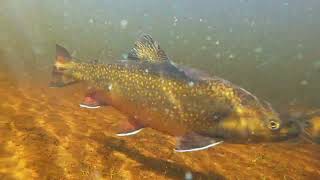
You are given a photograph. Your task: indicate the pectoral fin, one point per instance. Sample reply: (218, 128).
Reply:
(195, 142)
(93, 99)
(90, 102)
(128, 128)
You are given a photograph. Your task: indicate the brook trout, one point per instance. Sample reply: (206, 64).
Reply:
(200, 110)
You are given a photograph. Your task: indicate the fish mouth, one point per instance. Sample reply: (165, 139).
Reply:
(288, 130)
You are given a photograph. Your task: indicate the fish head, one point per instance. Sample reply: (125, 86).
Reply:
(256, 124)
(271, 118)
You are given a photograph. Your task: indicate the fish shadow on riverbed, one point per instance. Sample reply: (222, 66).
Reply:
(165, 168)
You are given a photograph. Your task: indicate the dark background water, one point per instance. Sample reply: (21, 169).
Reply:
(269, 47)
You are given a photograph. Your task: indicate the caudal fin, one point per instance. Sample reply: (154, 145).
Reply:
(62, 54)
(59, 76)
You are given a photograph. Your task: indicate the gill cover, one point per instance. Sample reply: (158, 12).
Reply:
(62, 61)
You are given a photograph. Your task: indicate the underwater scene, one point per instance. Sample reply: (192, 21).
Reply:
(159, 89)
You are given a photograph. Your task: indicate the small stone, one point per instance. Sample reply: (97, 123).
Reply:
(304, 82)
(123, 23)
(258, 50)
(188, 176)
(231, 56)
(110, 87)
(191, 84)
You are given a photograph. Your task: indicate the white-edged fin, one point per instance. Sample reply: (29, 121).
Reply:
(198, 149)
(93, 99)
(195, 142)
(130, 127)
(89, 107)
(129, 133)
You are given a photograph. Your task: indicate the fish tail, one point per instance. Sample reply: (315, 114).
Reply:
(63, 62)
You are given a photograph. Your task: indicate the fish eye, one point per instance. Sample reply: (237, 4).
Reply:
(273, 125)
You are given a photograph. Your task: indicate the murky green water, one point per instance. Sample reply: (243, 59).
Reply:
(270, 48)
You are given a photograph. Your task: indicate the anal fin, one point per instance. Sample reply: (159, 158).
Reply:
(195, 142)
(128, 128)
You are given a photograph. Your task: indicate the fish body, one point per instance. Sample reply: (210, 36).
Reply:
(202, 111)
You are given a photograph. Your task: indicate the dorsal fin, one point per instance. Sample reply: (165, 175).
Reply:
(146, 49)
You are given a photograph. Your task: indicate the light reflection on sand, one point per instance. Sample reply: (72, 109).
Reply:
(44, 134)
